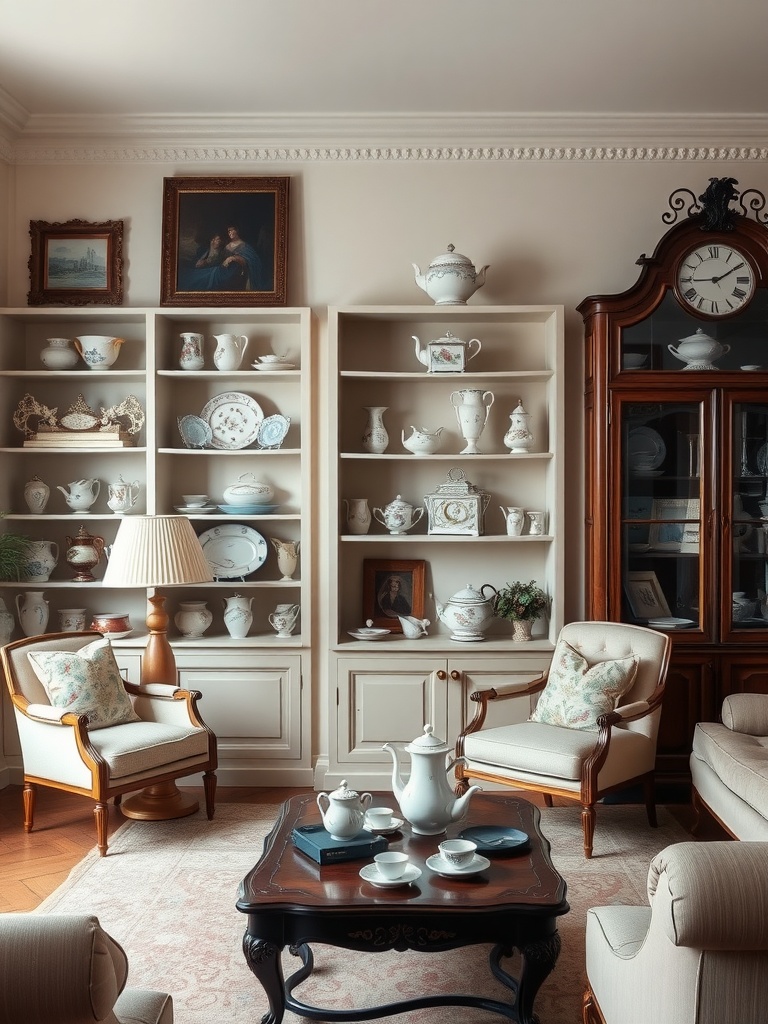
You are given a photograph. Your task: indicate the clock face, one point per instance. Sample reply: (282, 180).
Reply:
(715, 280)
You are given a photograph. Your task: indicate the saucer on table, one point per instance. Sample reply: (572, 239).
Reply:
(393, 826)
(441, 866)
(370, 873)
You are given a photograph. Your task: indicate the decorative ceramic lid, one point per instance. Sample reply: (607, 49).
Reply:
(452, 259)
(428, 743)
(468, 596)
(456, 484)
(344, 793)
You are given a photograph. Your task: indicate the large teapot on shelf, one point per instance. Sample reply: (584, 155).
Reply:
(468, 613)
(450, 278)
(427, 800)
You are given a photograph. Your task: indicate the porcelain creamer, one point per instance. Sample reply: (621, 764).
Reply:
(427, 800)
(422, 441)
(343, 811)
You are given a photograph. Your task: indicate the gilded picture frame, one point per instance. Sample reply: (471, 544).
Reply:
(224, 241)
(76, 263)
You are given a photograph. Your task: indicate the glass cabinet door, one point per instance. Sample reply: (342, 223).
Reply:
(662, 507)
(746, 563)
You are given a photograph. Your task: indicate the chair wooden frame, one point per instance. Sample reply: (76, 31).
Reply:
(165, 698)
(589, 790)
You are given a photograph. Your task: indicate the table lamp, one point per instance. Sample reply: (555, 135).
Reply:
(157, 551)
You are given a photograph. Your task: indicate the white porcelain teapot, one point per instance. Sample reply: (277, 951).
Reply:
(427, 800)
(450, 278)
(81, 494)
(343, 811)
(447, 354)
(468, 613)
(398, 516)
(122, 495)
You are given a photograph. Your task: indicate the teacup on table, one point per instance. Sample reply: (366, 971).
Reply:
(379, 817)
(391, 864)
(459, 853)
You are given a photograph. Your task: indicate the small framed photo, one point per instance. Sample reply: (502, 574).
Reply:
(392, 587)
(76, 263)
(645, 596)
(225, 242)
(678, 529)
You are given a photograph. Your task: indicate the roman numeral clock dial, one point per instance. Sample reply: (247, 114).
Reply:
(715, 280)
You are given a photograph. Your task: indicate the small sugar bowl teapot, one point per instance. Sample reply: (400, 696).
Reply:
(398, 516)
(343, 811)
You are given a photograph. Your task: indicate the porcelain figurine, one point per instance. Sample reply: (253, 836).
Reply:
(427, 800)
(398, 516)
(98, 351)
(81, 494)
(468, 613)
(450, 279)
(36, 495)
(343, 811)
(448, 354)
(422, 441)
(230, 349)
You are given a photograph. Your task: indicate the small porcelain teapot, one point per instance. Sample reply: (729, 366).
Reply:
(468, 613)
(422, 441)
(450, 279)
(343, 811)
(427, 800)
(398, 516)
(81, 494)
(447, 354)
(230, 349)
(122, 496)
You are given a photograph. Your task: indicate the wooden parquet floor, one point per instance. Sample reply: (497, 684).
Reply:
(32, 866)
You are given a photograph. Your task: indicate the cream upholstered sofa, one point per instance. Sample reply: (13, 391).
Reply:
(698, 954)
(64, 968)
(729, 766)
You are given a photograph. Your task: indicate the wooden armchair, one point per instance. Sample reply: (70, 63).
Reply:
(577, 763)
(166, 740)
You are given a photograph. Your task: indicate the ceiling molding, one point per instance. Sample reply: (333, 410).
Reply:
(306, 137)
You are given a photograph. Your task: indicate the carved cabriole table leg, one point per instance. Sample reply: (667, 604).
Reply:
(539, 959)
(264, 960)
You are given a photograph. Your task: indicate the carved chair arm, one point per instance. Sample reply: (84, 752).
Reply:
(482, 699)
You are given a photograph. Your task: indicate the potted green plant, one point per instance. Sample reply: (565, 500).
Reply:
(521, 604)
(13, 555)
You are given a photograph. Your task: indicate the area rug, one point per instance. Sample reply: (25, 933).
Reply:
(167, 893)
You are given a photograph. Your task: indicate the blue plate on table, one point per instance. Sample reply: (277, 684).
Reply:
(496, 839)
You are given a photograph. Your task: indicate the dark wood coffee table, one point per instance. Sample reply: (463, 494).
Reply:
(514, 904)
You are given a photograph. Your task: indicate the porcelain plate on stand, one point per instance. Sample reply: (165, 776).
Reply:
(234, 419)
(233, 551)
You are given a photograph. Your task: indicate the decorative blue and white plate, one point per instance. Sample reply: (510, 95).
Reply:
(195, 432)
(233, 550)
(273, 430)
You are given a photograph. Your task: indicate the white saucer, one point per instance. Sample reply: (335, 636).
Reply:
(273, 366)
(393, 826)
(195, 509)
(370, 873)
(442, 867)
(369, 634)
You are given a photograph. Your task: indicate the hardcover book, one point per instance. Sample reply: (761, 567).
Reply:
(315, 841)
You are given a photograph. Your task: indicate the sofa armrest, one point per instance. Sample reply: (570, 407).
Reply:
(715, 895)
(747, 713)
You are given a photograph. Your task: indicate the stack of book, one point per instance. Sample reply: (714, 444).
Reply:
(316, 842)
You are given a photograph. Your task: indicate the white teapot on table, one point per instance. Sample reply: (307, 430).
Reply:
(343, 811)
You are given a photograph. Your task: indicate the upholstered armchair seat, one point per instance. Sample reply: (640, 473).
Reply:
(697, 954)
(166, 740)
(622, 669)
(65, 969)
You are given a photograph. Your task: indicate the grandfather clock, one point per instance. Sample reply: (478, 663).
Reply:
(676, 402)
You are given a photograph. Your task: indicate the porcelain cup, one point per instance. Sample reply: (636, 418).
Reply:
(391, 863)
(457, 852)
(195, 500)
(379, 817)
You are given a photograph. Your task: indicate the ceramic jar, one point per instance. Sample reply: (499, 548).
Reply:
(81, 494)
(36, 495)
(343, 811)
(33, 612)
(398, 516)
(358, 515)
(72, 620)
(58, 354)
(230, 349)
(472, 406)
(238, 615)
(375, 436)
(98, 351)
(7, 624)
(450, 279)
(191, 356)
(84, 553)
(519, 437)
(287, 556)
(41, 559)
(193, 618)
(122, 496)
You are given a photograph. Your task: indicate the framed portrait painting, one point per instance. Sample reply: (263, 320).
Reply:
(392, 587)
(76, 263)
(225, 242)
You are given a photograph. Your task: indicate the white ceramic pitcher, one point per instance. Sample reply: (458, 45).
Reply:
(230, 349)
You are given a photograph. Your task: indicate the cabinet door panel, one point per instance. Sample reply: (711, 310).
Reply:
(474, 674)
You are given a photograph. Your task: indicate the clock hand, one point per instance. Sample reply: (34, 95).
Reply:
(716, 279)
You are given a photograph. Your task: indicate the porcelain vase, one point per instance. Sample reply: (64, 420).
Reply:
(33, 612)
(36, 495)
(519, 437)
(287, 556)
(72, 620)
(238, 615)
(191, 356)
(472, 407)
(358, 515)
(193, 618)
(375, 436)
(58, 354)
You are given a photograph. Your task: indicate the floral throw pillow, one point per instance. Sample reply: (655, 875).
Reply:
(86, 682)
(576, 695)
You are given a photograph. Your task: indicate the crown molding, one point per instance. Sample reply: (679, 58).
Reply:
(388, 137)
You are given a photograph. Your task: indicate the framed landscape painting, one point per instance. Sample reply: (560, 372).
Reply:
(76, 263)
(225, 242)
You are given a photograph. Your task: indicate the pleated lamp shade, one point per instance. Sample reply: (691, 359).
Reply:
(156, 551)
